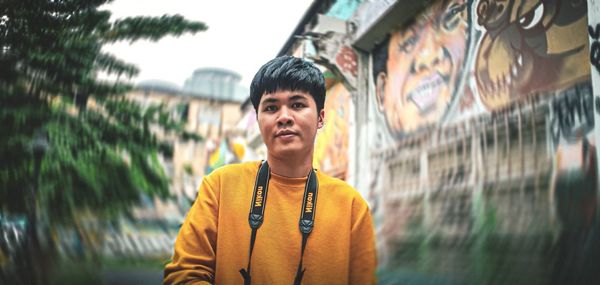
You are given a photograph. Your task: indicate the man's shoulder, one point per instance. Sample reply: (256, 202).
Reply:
(335, 184)
(326, 179)
(234, 170)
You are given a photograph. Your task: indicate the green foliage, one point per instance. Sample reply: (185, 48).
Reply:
(103, 148)
(188, 169)
(152, 28)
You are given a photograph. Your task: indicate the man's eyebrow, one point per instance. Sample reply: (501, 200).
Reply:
(270, 100)
(298, 97)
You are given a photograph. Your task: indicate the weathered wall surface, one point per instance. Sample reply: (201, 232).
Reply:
(481, 146)
(331, 147)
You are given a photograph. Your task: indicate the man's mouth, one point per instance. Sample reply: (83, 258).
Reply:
(427, 91)
(285, 134)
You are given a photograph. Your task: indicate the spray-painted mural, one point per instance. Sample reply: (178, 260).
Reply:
(529, 46)
(483, 125)
(595, 46)
(574, 181)
(331, 149)
(458, 56)
(417, 70)
(223, 151)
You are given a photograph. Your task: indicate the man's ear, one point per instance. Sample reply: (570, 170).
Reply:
(320, 120)
(380, 89)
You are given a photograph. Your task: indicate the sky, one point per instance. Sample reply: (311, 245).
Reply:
(241, 36)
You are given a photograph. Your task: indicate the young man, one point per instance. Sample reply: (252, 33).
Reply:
(277, 221)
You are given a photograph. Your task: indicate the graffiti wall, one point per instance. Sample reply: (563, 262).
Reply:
(482, 121)
(470, 57)
(418, 68)
(227, 150)
(529, 46)
(331, 148)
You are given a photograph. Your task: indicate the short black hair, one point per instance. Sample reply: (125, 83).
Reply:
(288, 73)
(380, 57)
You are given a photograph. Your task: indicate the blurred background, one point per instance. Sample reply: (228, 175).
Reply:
(467, 125)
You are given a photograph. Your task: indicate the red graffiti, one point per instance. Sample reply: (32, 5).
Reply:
(346, 60)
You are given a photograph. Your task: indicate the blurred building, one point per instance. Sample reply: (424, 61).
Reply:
(209, 104)
(216, 83)
(469, 128)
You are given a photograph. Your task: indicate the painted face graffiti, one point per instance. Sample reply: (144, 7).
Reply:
(423, 64)
(529, 46)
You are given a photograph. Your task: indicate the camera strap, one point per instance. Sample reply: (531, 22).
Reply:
(257, 211)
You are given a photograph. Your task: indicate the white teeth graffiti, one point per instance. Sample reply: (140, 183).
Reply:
(508, 77)
(514, 71)
(424, 96)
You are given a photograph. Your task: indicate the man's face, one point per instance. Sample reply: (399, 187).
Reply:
(288, 122)
(424, 61)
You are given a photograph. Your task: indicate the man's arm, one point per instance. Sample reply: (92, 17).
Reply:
(363, 258)
(195, 247)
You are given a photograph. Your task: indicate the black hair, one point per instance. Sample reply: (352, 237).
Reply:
(380, 57)
(288, 73)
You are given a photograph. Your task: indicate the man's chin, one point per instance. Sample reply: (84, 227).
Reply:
(286, 152)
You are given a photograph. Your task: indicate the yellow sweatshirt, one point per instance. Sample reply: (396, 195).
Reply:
(213, 242)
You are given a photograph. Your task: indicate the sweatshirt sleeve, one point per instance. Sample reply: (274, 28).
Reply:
(363, 258)
(194, 257)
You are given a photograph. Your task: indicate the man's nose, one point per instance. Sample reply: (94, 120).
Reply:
(285, 118)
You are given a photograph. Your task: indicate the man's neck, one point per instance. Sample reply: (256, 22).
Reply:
(290, 167)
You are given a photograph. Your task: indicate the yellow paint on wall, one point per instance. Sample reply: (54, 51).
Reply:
(331, 147)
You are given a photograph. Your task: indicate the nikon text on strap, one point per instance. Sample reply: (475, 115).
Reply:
(257, 211)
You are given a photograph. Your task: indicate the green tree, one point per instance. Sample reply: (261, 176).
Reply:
(102, 148)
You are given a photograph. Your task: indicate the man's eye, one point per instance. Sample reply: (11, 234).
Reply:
(298, 105)
(270, 108)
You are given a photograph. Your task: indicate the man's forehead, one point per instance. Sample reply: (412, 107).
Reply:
(293, 95)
